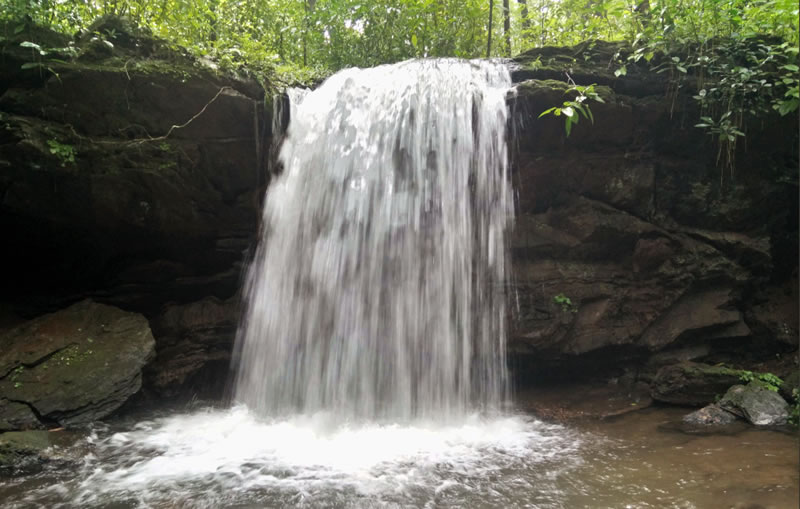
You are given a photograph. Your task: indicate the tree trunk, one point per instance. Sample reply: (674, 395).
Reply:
(305, 31)
(507, 26)
(526, 23)
(489, 43)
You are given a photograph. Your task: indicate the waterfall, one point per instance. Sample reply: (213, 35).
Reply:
(376, 291)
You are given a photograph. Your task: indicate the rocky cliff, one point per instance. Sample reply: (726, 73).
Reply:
(632, 248)
(132, 174)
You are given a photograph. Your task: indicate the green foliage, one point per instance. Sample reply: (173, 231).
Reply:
(767, 380)
(573, 109)
(565, 303)
(742, 57)
(65, 153)
(331, 34)
(742, 79)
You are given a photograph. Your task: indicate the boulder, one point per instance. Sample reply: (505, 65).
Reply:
(73, 366)
(710, 415)
(756, 404)
(692, 383)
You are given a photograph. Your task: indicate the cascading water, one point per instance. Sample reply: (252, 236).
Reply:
(373, 343)
(372, 353)
(376, 290)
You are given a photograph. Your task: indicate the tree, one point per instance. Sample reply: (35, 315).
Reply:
(325, 35)
(507, 26)
(489, 43)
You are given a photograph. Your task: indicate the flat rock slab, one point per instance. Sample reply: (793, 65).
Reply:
(73, 366)
(584, 401)
(692, 383)
(24, 452)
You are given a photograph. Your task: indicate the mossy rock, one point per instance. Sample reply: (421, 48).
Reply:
(22, 450)
(74, 366)
(692, 383)
(757, 404)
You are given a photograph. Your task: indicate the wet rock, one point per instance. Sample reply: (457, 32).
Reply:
(195, 341)
(73, 366)
(26, 452)
(23, 451)
(756, 404)
(15, 415)
(584, 401)
(692, 383)
(711, 415)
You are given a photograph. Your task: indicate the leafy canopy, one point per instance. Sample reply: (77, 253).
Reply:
(331, 34)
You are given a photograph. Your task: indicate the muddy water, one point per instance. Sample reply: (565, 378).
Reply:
(645, 460)
(229, 458)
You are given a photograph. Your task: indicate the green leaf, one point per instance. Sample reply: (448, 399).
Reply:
(791, 67)
(547, 112)
(29, 44)
(568, 111)
(622, 71)
(414, 40)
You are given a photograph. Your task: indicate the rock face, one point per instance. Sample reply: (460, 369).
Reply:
(195, 343)
(70, 367)
(629, 220)
(692, 384)
(130, 173)
(133, 175)
(756, 404)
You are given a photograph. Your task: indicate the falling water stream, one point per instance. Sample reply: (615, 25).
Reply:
(376, 291)
(370, 363)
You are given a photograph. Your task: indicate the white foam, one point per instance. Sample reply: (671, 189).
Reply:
(231, 456)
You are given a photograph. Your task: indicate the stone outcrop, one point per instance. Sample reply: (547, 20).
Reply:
(132, 174)
(71, 367)
(692, 384)
(628, 219)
